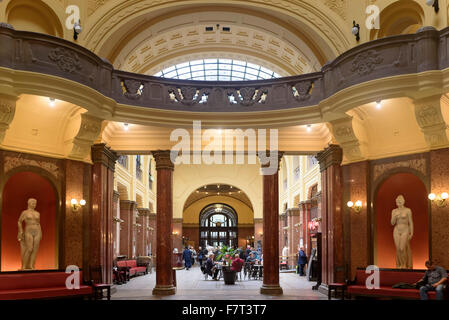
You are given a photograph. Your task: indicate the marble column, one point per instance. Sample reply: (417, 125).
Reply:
(333, 268)
(164, 224)
(116, 226)
(101, 218)
(152, 233)
(271, 233)
(293, 235)
(258, 232)
(128, 215)
(142, 231)
(305, 209)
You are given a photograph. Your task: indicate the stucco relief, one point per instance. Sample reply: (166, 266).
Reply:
(15, 162)
(419, 165)
(67, 61)
(89, 131)
(365, 62)
(339, 6)
(430, 119)
(93, 5)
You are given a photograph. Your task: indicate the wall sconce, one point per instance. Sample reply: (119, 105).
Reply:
(440, 199)
(117, 220)
(434, 4)
(175, 233)
(357, 206)
(76, 205)
(77, 29)
(356, 30)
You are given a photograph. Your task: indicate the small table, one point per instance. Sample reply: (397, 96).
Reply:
(336, 286)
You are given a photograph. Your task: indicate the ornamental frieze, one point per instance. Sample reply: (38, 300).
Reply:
(416, 164)
(365, 62)
(15, 162)
(67, 61)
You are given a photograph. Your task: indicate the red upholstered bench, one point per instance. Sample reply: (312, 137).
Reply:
(39, 285)
(388, 278)
(132, 266)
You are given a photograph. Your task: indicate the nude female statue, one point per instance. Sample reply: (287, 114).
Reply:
(401, 219)
(31, 238)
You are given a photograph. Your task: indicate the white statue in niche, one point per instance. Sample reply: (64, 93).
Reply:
(31, 237)
(401, 219)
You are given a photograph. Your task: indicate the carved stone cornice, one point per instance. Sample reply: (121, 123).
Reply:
(104, 155)
(332, 155)
(430, 119)
(163, 160)
(343, 132)
(7, 112)
(89, 131)
(152, 215)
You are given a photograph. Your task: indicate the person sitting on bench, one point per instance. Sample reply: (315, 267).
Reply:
(434, 280)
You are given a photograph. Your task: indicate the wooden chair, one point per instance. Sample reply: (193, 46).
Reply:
(96, 281)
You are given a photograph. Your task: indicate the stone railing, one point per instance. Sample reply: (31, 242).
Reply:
(426, 50)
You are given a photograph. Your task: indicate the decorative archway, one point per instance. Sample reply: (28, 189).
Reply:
(218, 226)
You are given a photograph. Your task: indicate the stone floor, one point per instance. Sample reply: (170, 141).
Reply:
(192, 286)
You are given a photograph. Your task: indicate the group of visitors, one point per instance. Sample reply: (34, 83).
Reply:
(189, 256)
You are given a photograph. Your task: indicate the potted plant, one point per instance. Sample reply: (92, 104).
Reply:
(226, 254)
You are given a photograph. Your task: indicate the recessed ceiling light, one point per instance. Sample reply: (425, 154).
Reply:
(125, 126)
(309, 128)
(52, 102)
(378, 104)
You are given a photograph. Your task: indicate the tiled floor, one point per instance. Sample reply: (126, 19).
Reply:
(192, 286)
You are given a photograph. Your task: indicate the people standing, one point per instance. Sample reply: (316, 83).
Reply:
(187, 257)
(302, 261)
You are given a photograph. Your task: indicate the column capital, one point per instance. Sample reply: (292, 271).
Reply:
(128, 205)
(163, 160)
(332, 155)
(267, 165)
(104, 155)
(116, 196)
(7, 112)
(89, 130)
(292, 212)
(143, 212)
(343, 132)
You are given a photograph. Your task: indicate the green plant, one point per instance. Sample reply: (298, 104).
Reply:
(227, 253)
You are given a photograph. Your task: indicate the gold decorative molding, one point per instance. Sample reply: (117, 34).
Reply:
(338, 6)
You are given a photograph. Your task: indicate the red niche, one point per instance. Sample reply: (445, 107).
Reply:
(415, 194)
(19, 188)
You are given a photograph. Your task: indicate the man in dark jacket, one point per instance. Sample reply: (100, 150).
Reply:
(302, 261)
(434, 279)
(211, 268)
(187, 257)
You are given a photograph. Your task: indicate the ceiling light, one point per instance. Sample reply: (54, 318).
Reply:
(309, 128)
(52, 102)
(125, 126)
(379, 104)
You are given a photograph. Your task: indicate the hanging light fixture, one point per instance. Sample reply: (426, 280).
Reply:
(434, 4)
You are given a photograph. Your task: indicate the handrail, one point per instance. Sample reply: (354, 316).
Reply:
(428, 49)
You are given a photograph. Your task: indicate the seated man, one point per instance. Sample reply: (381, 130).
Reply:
(434, 279)
(251, 258)
(237, 264)
(211, 268)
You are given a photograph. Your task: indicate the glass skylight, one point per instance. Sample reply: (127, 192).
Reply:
(217, 70)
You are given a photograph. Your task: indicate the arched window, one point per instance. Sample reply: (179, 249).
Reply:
(218, 226)
(217, 70)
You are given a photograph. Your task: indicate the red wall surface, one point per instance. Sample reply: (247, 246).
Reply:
(415, 194)
(19, 188)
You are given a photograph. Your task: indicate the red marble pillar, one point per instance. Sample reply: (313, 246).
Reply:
(141, 232)
(293, 235)
(177, 234)
(333, 269)
(152, 233)
(127, 214)
(258, 232)
(101, 218)
(271, 234)
(307, 218)
(115, 232)
(164, 221)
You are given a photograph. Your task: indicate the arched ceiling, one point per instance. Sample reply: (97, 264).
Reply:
(218, 190)
(146, 36)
